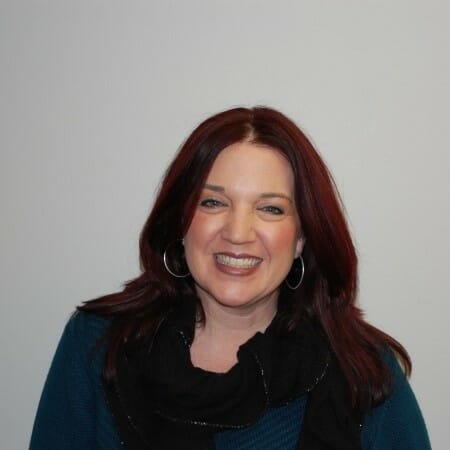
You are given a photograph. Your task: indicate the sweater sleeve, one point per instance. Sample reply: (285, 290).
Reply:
(396, 424)
(67, 414)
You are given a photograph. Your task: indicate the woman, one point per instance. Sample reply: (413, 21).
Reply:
(242, 330)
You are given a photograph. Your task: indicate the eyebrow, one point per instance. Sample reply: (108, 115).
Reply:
(275, 194)
(216, 188)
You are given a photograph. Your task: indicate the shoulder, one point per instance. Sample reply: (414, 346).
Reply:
(84, 339)
(86, 327)
(396, 423)
(72, 413)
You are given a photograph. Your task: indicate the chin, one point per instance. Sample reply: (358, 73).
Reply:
(235, 303)
(240, 298)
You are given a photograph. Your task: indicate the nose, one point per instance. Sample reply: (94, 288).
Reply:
(239, 227)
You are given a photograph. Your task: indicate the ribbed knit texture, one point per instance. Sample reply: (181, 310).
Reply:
(73, 414)
(278, 429)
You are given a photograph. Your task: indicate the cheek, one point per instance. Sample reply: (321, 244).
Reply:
(283, 239)
(201, 230)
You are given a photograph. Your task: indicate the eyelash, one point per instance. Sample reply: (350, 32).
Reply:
(272, 210)
(211, 203)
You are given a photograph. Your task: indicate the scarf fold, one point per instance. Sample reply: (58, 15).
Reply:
(161, 401)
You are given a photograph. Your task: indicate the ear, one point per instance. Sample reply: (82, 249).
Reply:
(299, 246)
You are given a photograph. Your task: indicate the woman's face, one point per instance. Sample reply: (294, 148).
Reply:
(245, 231)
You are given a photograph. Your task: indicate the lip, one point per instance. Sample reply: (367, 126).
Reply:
(237, 264)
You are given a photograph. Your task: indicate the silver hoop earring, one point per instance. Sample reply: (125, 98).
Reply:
(177, 264)
(296, 269)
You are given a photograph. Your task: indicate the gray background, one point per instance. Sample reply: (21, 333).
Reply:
(96, 96)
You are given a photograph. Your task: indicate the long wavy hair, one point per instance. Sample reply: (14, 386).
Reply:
(329, 289)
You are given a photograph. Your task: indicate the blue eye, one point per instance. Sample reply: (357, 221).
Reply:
(272, 210)
(211, 203)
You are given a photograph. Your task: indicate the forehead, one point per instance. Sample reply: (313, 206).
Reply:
(250, 166)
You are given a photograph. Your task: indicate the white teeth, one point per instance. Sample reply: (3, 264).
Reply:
(241, 263)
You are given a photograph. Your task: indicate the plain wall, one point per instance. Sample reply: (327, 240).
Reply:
(96, 96)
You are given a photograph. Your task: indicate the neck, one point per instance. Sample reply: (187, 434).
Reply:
(225, 329)
(234, 322)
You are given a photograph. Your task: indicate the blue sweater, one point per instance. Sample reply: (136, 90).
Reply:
(73, 414)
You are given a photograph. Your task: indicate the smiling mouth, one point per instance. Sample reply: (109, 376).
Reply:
(240, 263)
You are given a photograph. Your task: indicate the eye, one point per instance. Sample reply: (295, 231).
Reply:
(272, 210)
(211, 203)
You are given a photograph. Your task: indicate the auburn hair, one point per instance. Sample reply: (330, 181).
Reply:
(329, 289)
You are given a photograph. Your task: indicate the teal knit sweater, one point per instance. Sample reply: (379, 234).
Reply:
(73, 414)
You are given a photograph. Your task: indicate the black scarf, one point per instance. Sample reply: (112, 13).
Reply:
(161, 401)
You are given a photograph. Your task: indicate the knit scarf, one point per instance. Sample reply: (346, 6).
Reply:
(161, 401)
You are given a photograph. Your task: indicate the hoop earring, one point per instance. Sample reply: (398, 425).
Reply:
(296, 269)
(178, 265)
